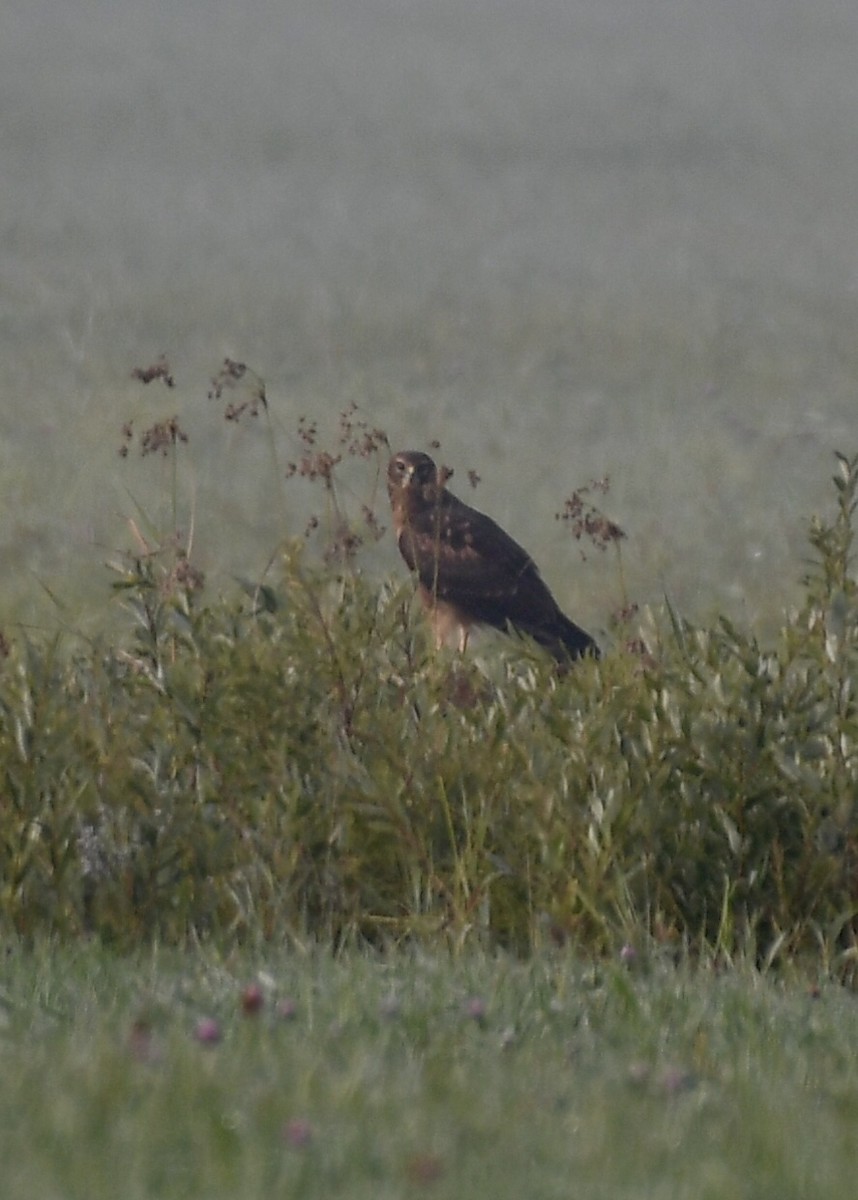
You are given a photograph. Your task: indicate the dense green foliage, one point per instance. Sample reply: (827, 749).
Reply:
(297, 761)
(306, 1074)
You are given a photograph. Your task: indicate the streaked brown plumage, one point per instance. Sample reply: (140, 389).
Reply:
(470, 571)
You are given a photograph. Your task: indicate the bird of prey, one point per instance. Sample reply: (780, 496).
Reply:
(469, 571)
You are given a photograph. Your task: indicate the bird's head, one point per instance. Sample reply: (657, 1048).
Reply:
(414, 473)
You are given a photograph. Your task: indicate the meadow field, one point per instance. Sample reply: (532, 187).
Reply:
(291, 903)
(568, 241)
(298, 1073)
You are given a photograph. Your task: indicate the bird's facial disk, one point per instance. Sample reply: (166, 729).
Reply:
(411, 469)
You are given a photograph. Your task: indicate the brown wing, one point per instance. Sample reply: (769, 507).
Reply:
(464, 558)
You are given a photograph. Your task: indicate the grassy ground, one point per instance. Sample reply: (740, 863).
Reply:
(377, 1077)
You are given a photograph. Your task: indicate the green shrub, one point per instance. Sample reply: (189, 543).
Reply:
(296, 762)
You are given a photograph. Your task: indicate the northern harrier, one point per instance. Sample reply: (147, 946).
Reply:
(470, 572)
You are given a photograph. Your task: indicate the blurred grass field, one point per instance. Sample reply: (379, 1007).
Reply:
(612, 238)
(386, 1076)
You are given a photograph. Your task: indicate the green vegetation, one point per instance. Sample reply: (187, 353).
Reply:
(294, 904)
(302, 1074)
(295, 761)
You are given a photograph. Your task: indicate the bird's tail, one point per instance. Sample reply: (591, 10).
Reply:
(565, 640)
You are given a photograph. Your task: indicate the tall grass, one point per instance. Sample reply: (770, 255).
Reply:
(293, 759)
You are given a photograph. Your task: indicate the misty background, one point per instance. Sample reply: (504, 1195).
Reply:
(566, 239)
